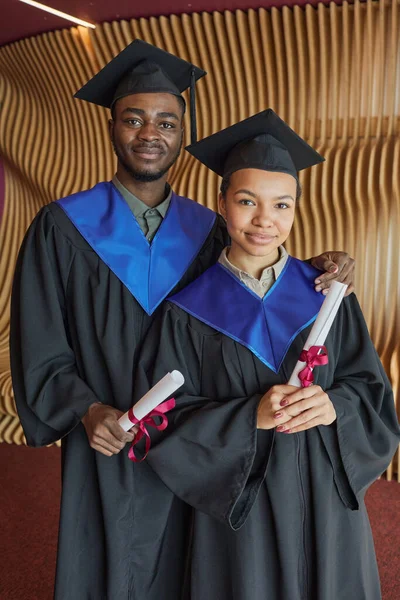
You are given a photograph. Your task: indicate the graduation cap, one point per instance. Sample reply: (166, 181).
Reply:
(143, 68)
(263, 142)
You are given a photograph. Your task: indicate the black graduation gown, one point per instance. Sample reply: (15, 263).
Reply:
(229, 512)
(76, 331)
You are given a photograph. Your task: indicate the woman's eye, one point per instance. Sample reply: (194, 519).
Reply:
(282, 205)
(246, 202)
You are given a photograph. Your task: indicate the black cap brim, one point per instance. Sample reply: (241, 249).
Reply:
(214, 150)
(101, 88)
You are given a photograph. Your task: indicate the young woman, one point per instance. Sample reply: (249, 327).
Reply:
(257, 487)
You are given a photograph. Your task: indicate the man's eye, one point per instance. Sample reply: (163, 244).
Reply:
(167, 125)
(133, 122)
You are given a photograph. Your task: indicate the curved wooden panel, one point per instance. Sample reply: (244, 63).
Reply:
(333, 72)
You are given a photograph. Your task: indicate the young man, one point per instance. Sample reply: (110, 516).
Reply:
(92, 273)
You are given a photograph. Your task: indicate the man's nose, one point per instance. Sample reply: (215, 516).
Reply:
(148, 132)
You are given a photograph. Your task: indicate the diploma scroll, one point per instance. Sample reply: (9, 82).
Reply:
(321, 327)
(162, 390)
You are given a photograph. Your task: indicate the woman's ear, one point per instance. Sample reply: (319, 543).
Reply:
(222, 205)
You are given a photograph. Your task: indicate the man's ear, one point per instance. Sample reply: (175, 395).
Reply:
(222, 205)
(110, 128)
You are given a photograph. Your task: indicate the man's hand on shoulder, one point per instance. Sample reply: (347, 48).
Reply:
(337, 266)
(103, 430)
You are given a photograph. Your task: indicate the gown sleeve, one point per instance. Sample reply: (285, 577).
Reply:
(50, 396)
(211, 455)
(362, 440)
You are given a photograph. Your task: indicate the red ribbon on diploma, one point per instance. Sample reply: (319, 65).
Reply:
(149, 420)
(314, 357)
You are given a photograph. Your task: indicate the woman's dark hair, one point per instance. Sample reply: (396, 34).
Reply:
(299, 191)
(224, 185)
(226, 181)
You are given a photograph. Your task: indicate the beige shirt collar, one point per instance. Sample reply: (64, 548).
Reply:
(268, 276)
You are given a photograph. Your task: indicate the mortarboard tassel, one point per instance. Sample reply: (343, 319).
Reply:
(193, 127)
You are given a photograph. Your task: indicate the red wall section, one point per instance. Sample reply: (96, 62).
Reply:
(19, 20)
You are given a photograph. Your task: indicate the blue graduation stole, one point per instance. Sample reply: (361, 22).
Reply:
(266, 326)
(148, 270)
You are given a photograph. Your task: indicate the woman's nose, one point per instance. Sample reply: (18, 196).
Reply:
(263, 218)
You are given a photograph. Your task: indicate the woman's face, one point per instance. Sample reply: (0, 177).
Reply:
(259, 208)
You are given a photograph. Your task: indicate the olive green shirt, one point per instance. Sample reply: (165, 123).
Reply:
(148, 218)
(268, 276)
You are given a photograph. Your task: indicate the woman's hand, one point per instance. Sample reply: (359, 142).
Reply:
(303, 409)
(271, 403)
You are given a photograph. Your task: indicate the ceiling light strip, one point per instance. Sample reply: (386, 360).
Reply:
(58, 13)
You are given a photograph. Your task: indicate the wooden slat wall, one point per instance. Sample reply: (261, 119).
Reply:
(332, 72)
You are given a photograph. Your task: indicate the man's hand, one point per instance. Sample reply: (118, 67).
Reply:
(303, 409)
(337, 266)
(103, 430)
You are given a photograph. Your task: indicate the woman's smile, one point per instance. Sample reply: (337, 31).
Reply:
(262, 239)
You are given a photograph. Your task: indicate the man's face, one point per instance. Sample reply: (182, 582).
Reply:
(146, 134)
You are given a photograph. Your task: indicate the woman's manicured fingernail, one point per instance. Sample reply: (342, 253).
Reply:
(281, 428)
(278, 415)
(284, 402)
(288, 431)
